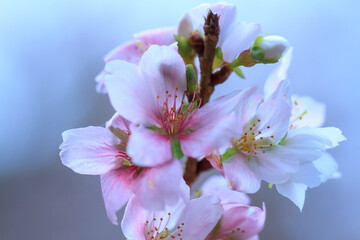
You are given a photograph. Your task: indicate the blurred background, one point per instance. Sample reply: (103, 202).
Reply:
(50, 53)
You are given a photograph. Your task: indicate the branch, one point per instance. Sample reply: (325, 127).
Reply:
(212, 31)
(206, 51)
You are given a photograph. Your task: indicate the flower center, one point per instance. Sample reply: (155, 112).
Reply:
(254, 141)
(175, 119)
(157, 228)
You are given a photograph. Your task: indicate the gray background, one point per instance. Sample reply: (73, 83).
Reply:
(50, 52)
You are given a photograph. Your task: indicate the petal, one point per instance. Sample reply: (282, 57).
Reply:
(278, 74)
(215, 161)
(133, 222)
(274, 116)
(238, 173)
(100, 82)
(200, 217)
(126, 84)
(148, 148)
(205, 140)
(218, 186)
(116, 188)
(242, 222)
(247, 106)
(117, 121)
(294, 191)
(307, 144)
(90, 150)
(240, 38)
(327, 166)
(165, 70)
(308, 175)
(331, 133)
(276, 165)
(312, 113)
(159, 186)
(139, 223)
(159, 36)
(282, 92)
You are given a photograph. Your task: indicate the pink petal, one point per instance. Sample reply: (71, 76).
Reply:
(275, 166)
(159, 186)
(148, 148)
(240, 38)
(222, 106)
(205, 140)
(165, 70)
(274, 116)
(139, 223)
(238, 173)
(116, 188)
(218, 186)
(90, 150)
(126, 84)
(200, 217)
(247, 106)
(242, 222)
(215, 161)
(133, 223)
(117, 121)
(159, 36)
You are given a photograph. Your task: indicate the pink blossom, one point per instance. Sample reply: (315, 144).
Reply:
(238, 220)
(234, 37)
(133, 50)
(264, 147)
(156, 90)
(99, 151)
(190, 220)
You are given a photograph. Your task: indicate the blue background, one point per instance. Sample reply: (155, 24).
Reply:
(50, 52)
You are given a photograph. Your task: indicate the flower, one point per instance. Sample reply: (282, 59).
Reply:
(133, 50)
(315, 165)
(103, 151)
(238, 220)
(234, 37)
(190, 220)
(268, 145)
(162, 118)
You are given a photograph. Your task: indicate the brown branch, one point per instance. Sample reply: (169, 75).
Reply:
(212, 31)
(206, 51)
(221, 75)
(197, 43)
(190, 171)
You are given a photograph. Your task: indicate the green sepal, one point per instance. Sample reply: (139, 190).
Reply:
(123, 136)
(191, 78)
(218, 59)
(257, 53)
(270, 185)
(228, 153)
(239, 72)
(176, 149)
(184, 47)
(258, 41)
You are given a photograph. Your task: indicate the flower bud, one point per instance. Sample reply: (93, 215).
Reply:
(269, 47)
(191, 78)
